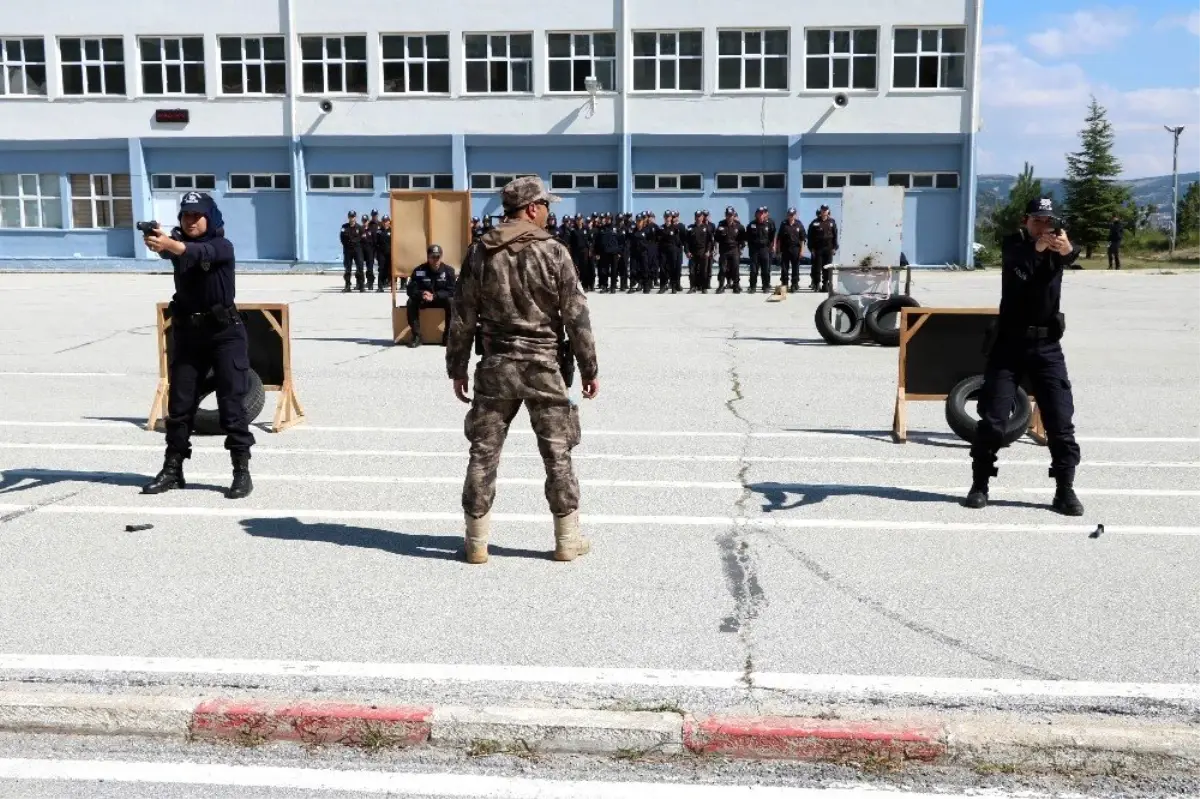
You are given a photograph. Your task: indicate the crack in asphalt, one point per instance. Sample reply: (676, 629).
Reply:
(114, 334)
(741, 575)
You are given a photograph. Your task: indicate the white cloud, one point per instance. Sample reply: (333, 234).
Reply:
(1084, 31)
(1190, 23)
(1033, 112)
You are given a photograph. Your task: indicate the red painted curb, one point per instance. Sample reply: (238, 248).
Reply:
(808, 739)
(314, 723)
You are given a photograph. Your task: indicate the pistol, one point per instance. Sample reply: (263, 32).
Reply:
(147, 228)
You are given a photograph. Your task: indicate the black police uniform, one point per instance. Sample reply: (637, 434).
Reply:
(790, 240)
(822, 242)
(370, 228)
(207, 334)
(671, 242)
(608, 246)
(383, 253)
(1026, 345)
(439, 281)
(731, 235)
(699, 247)
(577, 244)
(760, 237)
(1116, 233)
(352, 251)
(625, 233)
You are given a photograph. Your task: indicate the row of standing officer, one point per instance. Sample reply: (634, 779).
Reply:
(364, 245)
(630, 252)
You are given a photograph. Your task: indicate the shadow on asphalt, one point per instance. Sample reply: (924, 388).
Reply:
(948, 440)
(160, 426)
(13, 480)
(413, 545)
(778, 496)
(796, 342)
(369, 342)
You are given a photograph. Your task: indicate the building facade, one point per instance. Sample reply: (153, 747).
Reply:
(293, 113)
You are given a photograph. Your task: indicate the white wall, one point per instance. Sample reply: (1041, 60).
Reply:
(746, 113)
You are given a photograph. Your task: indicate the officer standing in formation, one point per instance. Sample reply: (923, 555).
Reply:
(699, 241)
(789, 243)
(731, 236)
(383, 252)
(207, 334)
(822, 243)
(370, 226)
(431, 285)
(1028, 332)
(760, 236)
(520, 296)
(352, 250)
(580, 247)
(671, 242)
(608, 251)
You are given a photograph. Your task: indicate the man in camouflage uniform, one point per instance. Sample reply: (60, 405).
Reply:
(520, 295)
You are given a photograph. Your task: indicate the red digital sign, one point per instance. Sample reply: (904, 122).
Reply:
(175, 116)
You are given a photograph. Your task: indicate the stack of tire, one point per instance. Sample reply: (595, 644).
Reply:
(879, 321)
(963, 422)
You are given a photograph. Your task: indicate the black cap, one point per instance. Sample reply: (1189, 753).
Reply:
(386, 219)
(195, 202)
(374, 212)
(433, 250)
(705, 212)
(761, 208)
(823, 208)
(729, 210)
(474, 219)
(791, 212)
(1041, 207)
(352, 215)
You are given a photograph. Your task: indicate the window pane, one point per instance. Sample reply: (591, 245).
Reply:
(835, 181)
(690, 74)
(841, 73)
(841, 41)
(776, 43)
(32, 217)
(230, 47)
(752, 78)
(585, 181)
(443, 182)
(866, 42)
(174, 78)
(860, 180)
(953, 71)
(262, 181)
(898, 179)
(318, 182)
(416, 77)
(947, 180)
(152, 82)
(729, 43)
(114, 79)
(927, 72)
(560, 76)
(437, 47)
(151, 50)
(606, 45)
(729, 73)
(668, 181)
(522, 45)
(206, 182)
(310, 48)
(334, 78)
(231, 78)
(727, 182)
(283, 182)
(644, 44)
(393, 46)
(816, 73)
(193, 48)
(689, 182)
(606, 180)
(643, 75)
(9, 185)
(10, 213)
(904, 72)
(356, 48)
(393, 77)
(561, 181)
(356, 77)
(93, 78)
(752, 42)
(906, 40)
(364, 182)
(104, 216)
(929, 41)
(51, 214)
(70, 49)
(422, 181)
(583, 44)
(581, 69)
(522, 76)
(438, 75)
(751, 181)
(333, 47)
(275, 79)
(606, 73)
(193, 79)
(239, 182)
(340, 181)
(643, 182)
(776, 73)
(922, 181)
(160, 181)
(774, 180)
(666, 75)
(29, 185)
(49, 185)
(416, 46)
(954, 40)
(667, 44)
(477, 76)
(314, 78)
(183, 181)
(121, 186)
(476, 46)
(864, 72)
(273, 48)
(398, 182)
(91, 49)
(558, 45)
(817, 42)
(691, 43)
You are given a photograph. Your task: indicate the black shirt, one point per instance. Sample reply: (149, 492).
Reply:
(730, 235)
(578, 241)
(607, 240)
(823, 234)
(351, 237)
(699, 238)
(760, 235)
(1116, 232)
(791, 235)
(439, 281)
(203, 274)
(1031, 283)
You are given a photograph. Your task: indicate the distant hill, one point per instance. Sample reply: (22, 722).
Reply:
(993, 191)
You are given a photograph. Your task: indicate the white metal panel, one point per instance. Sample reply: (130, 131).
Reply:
(871, 227)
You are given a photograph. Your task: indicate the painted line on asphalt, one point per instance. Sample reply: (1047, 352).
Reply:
(464, 786)
(762, 522)
(457, 431)
(591, 456)
(582, 676)
(67, 475)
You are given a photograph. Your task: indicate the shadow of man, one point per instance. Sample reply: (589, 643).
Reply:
(776, 495)
(412, 545)
(13, 480)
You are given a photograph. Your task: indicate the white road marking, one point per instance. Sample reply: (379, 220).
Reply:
(834, 684)
(67, 475)
(457, 431)
(63, 374)
(593, 456)
(875, 525)
(465, 786)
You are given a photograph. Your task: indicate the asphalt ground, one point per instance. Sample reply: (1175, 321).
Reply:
(748, 510)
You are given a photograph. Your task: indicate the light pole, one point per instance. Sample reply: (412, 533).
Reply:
(1175, 131)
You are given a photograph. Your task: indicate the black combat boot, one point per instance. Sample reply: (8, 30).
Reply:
(977, 497)
(346, 290)
(1065, 501)
(242, 485)
(415, 341)
(169, 478)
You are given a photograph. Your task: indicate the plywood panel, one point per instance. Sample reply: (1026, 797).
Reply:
(871, 227)
(451, 219)
(409, 225)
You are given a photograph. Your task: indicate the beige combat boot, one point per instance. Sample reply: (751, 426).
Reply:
(477, 537)
(568, 543)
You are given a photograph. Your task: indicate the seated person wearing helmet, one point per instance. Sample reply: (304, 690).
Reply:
(431, 285)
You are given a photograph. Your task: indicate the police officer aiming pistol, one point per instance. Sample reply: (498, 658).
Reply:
(207, 335)
(1026, 344)
(520, 297)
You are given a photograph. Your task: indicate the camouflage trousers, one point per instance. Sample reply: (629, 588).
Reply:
(556, 425)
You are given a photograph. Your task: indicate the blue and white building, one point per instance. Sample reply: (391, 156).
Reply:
(294, 112)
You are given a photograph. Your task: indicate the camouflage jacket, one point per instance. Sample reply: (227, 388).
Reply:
(519, 297)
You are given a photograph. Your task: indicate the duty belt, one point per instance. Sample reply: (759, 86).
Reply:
(1034, 333)
(217, 314)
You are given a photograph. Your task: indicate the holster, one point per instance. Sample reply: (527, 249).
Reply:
(566, 360)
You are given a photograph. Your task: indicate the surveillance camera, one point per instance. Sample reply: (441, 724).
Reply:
(841, 100)
(326, 106)
(591, 84)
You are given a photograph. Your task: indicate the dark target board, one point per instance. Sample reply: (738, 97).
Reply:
(268, 330)
(939, 348)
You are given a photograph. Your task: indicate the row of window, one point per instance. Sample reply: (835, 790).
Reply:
(105, 201)
(494, 63)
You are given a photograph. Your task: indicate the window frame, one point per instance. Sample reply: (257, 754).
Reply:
(94, 200)
(182, 62)
(658, 57)
(741, 176)
(496, 185)
(595, 176)
(274, 177)
(489, 59)
(174, 176)
(327, 61)
(942, 57)
(446, 177)
(408, 60)
(40, 199)
(246, 63)
(832, 56)
(933, 176)
(825, 180)
(591, 58)
(23, 64)
(762, 57)
(101, 64)
(352, 177)
(658, 180)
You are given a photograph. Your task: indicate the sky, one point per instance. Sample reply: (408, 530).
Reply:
(1043, 61)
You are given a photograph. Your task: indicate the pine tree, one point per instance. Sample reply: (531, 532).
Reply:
(1092, 194)
(1188, 218)
(1007, 218)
